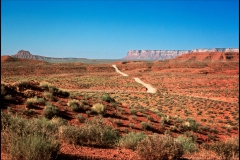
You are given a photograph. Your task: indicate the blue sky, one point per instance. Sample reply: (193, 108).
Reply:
(109, 29)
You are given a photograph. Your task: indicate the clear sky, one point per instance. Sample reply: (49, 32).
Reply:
(109, 29)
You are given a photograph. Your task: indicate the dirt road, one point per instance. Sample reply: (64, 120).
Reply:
(117, 70)
(150, 89)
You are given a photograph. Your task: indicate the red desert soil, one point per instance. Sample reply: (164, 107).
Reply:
(7, 59)
(12, 59)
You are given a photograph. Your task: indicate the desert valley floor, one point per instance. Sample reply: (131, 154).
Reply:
(193, 97)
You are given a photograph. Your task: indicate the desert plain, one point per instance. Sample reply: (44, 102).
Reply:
(195, 96)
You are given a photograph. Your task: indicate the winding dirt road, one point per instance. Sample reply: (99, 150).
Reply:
(117, 70)
(150, 89)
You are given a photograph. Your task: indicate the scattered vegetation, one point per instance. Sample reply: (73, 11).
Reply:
(162, 147)
(187, 108)
(131, 140)
(50, 111)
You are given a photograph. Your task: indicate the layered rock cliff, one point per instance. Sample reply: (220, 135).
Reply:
(169, 54)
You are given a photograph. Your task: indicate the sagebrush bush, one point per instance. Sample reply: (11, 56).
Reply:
(28, 139)
(145, 125)
(93, 132)
(226, 149)
(131, 140)
(193, 125)
(106, 97)
(133, 111)
(160, 147)
(189, 145)
(74, 104)
(30, 102)
(21, 85)
(48, 96)
(27, 112)
(46, 85)
(98, 108)
(34, 147)
(62, 93)
(58, 121)
(50, 111)
(165, 120)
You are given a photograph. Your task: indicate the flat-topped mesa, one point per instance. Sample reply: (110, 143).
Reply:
(169, 54)
(216, 50)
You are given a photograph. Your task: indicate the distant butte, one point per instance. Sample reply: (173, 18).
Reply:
(27, 55)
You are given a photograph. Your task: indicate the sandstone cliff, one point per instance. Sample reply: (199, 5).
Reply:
(169, 54)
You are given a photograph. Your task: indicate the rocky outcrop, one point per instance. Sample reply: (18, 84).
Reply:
(169, 54)
(27, 55)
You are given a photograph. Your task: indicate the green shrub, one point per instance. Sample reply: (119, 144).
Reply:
(165, 119)
(189, 146)
(98, 108)
(34, 147)
(160, 147)
(27, 112)
(144, 125)
(63, 93)
(48, 96)
(49, 87)
(106, 97)
(58, 121)
(32, 101)
(29, 104)
(50, 111)
(192, 124)
(46, 85)
(29, 139)
(131, 140)
(21, 85)
(189, 124)
(150, 118)
(93, 132)
(160, 114)
(133, 111)
(74, 104)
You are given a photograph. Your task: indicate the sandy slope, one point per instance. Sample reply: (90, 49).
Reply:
(117, 70)
(150, 89)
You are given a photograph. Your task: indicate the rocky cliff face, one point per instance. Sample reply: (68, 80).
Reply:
(169, 54)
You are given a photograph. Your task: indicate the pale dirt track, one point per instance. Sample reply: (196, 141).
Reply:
(117, 70)
(150, 89)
